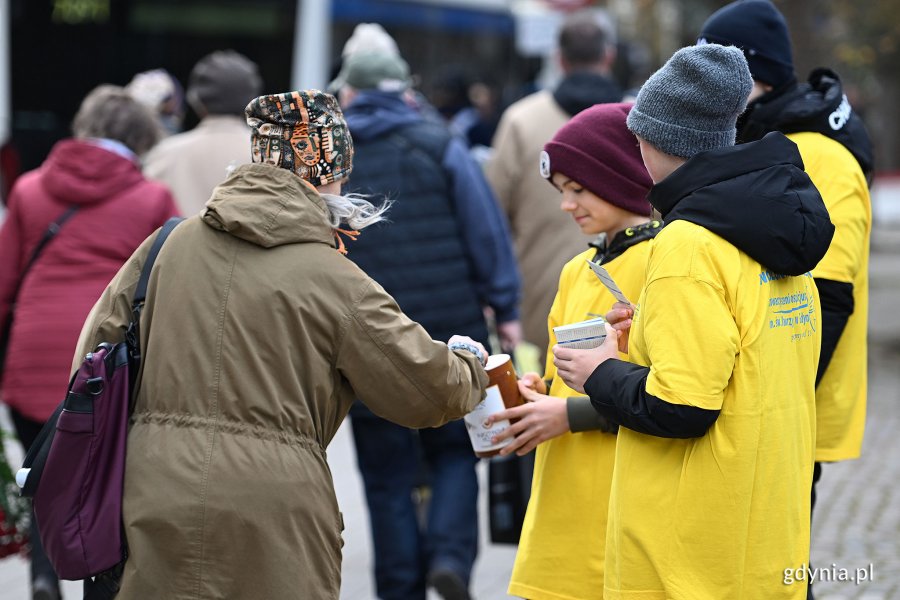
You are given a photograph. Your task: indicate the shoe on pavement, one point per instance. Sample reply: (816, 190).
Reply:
(448, 584)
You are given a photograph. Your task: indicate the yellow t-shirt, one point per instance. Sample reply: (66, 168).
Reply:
(723, 515)
(841, 395)
(561, 550)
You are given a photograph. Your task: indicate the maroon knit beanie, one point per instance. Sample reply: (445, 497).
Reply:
(596, 150)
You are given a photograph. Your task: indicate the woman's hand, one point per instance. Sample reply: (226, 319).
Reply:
(463, 342)
(541, 418)
(575, 366)
(619, 316)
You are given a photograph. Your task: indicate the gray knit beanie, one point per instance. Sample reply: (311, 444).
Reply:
(692, 103)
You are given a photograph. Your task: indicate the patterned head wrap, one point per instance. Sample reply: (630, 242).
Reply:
(303, 132)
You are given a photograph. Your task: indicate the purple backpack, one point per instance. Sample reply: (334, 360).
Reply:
(75, 469)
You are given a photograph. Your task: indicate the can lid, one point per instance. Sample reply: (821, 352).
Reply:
(495, 360)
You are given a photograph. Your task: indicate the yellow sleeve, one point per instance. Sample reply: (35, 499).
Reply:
(840, 180)
(691, 341)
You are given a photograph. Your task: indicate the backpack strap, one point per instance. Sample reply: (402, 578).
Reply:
(133, 333)
(140, 293)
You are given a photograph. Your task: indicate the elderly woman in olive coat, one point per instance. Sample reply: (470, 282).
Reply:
(257, 334)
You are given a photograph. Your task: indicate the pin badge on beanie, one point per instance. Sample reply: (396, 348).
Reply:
(303, 132)
(545, 165)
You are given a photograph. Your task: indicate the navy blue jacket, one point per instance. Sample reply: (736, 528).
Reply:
(445, 252)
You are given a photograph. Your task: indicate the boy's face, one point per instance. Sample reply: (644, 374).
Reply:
(592, 214)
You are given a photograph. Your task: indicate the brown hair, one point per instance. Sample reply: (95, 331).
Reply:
(585, 38)
(108, 111)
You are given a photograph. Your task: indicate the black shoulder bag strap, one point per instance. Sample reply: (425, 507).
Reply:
(133, 333)
(49, 234)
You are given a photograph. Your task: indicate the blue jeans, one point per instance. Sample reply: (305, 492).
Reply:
(390, 459)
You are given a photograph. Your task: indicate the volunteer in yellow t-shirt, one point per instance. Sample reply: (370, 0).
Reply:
(595, 164)
(710, 490)
(837, 156)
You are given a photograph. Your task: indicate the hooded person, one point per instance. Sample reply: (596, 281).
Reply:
(445, 255)
(780, 102)
(192, 163)
(91, 201)
(716, 414)
(595, 165)
(257, 336)
(829, 134)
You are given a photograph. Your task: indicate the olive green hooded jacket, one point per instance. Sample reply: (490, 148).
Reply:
(257, 335)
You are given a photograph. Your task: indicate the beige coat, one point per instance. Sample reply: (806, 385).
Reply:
(192, 163)
(257, 334)
(545, 237)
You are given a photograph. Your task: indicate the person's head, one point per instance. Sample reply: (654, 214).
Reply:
(109, 112)
(304, 132)
(371, 71)
(222, 83)
(162, 93)
(761, 32)
(587, 42)
(594, 162)
(369, 37)
(689, 106)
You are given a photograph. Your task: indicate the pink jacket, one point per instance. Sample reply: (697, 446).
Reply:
(117, 209)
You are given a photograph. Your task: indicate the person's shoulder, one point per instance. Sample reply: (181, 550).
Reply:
(525, 108)
(166, 152)
(687, 239)
(827, 159)
(151, 193)
(814, 144)
(577, 262)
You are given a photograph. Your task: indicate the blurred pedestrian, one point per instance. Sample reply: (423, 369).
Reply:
(818, 118)
(594, 163)
(91, 189)
(161, 92)
(258, 334)
(194, 162)
(709, 496)
(371, 38)
(445, 255)
(545, 238)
